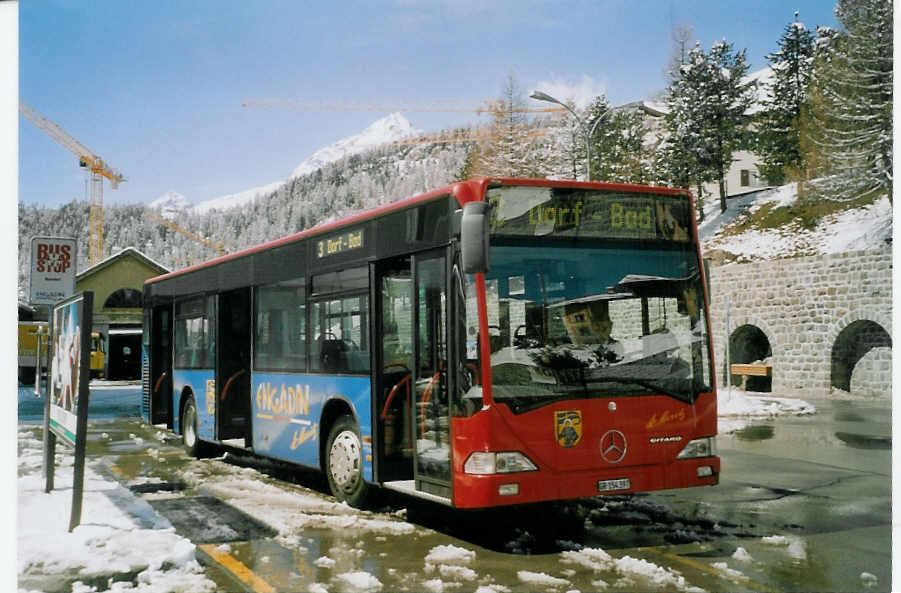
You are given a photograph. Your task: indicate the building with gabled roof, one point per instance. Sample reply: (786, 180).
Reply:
(117, 283)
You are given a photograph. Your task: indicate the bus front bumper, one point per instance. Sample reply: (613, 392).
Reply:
(476, 491)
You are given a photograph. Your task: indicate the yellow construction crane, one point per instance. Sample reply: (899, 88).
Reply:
(475, 136)
(490, 107)
(151, 215)
(88, 160)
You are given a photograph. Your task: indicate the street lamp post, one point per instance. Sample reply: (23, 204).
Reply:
(539, 96)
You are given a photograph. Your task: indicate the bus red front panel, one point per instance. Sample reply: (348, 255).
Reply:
(584, 448)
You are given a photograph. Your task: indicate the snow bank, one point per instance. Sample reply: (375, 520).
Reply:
(730, 573)
(742, 555)
(450, 554)
(736, 407)
(795, 547)
(862, 228)
(358, 582)
(633, 572)
(541, 579)
(107, 544)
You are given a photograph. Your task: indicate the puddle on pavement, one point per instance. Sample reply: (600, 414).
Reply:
(864, 441)
(756, 432)
(206, 519)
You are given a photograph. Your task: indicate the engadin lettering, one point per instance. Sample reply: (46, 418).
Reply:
(284, 399)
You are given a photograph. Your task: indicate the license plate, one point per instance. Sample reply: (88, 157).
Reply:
(611, 485)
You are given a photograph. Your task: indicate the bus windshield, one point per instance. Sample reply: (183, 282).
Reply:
(580, 305)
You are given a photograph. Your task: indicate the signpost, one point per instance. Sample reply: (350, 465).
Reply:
(66, 404)
(52, 270)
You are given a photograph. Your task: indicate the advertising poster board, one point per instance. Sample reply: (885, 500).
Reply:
(52, 270)
(66, 404)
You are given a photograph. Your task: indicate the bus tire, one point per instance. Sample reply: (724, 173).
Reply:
(344, 462)
(193, 444)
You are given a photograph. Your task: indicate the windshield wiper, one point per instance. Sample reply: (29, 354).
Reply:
(656, 388)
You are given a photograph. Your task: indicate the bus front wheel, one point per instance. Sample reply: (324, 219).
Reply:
(344, 462)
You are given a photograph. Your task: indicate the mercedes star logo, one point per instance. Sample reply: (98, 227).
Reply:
(613, 446)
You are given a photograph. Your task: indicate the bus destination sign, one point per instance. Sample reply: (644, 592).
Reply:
(527, 211)
(342, 243)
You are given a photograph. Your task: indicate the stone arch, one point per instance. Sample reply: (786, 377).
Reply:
(857, 335)
(748, 344)
(124, 298)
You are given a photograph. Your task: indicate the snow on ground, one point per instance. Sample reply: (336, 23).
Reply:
(109, 544)
(630, 572)
(736, 408)
(862, 228)
(143, 553)
(360, 581)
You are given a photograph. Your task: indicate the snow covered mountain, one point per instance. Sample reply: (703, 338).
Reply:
(236, 199)
(388, 129)
(170, 204)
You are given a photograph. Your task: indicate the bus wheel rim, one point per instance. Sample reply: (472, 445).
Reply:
(344, 461)
(190, 436)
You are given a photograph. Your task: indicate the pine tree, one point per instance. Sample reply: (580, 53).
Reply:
(507, 149)
(849, 131)
(683, 150)
(618, 152)
(728, 98)
(707, 102)
(778, 137)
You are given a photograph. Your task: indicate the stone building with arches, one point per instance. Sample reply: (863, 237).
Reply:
(822, 323)
(117, 283)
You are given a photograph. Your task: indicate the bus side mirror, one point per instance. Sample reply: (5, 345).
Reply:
(474, 237)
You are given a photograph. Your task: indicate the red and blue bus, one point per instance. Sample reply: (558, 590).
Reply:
(493, 342)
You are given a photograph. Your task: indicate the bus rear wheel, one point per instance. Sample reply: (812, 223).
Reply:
(344, 462)
(192, 443)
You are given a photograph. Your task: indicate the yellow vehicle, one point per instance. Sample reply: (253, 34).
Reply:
(28, 344)
(98, 354)
(28, 347)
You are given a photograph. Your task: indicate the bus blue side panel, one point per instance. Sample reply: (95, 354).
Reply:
(145, 385)
(287, 409)
(203, 384)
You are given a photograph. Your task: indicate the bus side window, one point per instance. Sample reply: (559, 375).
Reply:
(339, 340)
(280, 326)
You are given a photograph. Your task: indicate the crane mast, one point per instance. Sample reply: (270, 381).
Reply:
(88, 160)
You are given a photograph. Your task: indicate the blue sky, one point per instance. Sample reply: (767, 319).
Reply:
(155, 88)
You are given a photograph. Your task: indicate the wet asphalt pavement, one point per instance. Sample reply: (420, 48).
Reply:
(804, 504)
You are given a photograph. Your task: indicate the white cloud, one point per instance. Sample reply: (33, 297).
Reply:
(580, 92)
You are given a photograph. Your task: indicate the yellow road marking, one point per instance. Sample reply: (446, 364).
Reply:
(706, 568)
(238, 568)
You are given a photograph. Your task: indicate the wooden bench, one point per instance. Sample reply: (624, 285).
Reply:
(750, 370)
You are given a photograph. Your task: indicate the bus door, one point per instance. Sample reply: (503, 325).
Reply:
(430, 391)
(394, 369)
(411, 386)
(233, 366)
(159, 342)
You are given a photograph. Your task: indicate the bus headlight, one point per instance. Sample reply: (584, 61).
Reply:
(505, 462)
(703, 447)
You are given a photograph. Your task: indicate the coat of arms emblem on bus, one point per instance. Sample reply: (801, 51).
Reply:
(568, 427)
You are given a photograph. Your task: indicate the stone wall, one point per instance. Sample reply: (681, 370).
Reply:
(828, 320)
